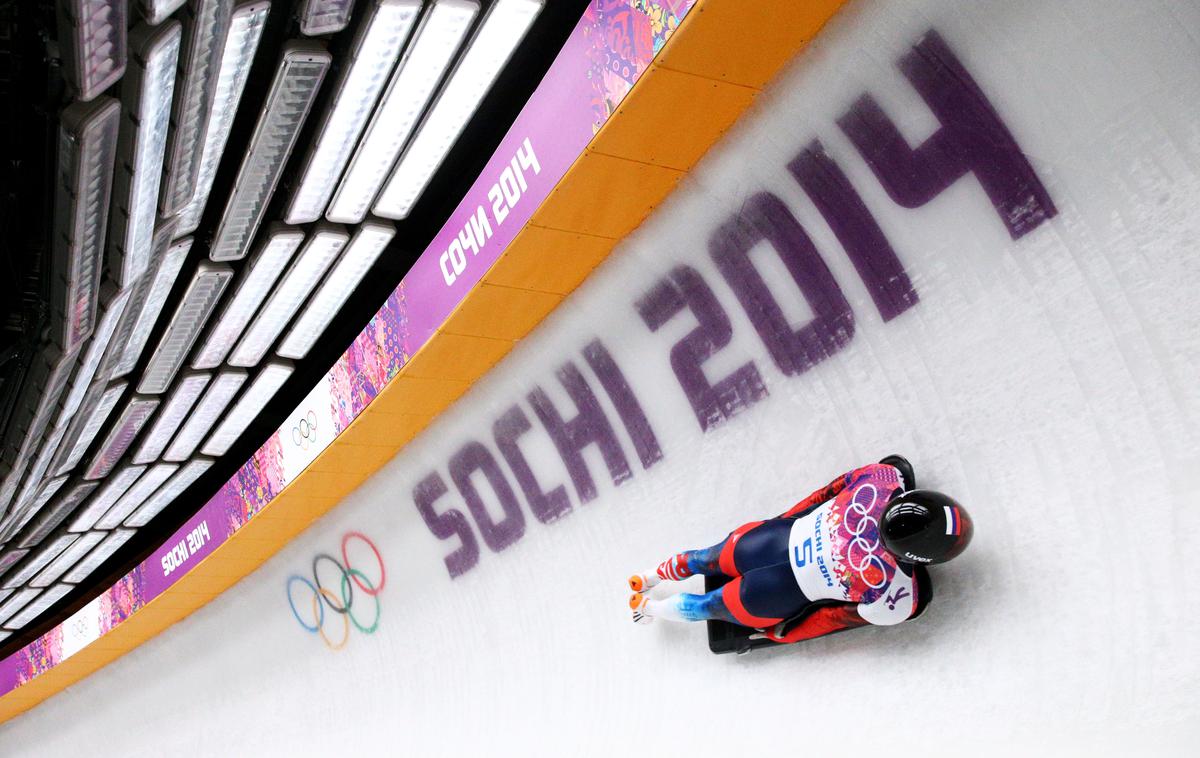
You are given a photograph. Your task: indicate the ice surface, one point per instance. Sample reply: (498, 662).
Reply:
(1050, 382)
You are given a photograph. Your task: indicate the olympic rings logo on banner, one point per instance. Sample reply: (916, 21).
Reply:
(341, 604)
(867, 549)
(304, 433)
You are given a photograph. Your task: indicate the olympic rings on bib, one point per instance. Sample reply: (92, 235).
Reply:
(341, 601)
(859, 531)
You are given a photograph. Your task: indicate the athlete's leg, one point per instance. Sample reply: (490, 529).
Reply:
(760, 598)
(750, 546)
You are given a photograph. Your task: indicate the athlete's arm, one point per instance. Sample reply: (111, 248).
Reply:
(828, 492)
(823, 621)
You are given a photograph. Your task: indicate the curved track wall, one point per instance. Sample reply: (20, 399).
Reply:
(965, 233)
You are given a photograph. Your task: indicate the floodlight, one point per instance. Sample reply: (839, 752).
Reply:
(156, 297)
(204, 29)
(441, 32)
(121, 435)
(297, 79)
(87, 150)
(49, 518)
(498, 36)
(185, 394)
(376, 48)
(201, 297)
(67, 558)
(110, 491)
(248, 406)
(86, 425)
(16, 602)
(37, 560)
(360, 254)
(253, 287)
(245, 29)
(99, 555)
(146, 113)
(156, 11)
(136, 495)
(206, 414)
(166, 494)
(92, 40)
(308, 268)
(324, 16)
(39, 606)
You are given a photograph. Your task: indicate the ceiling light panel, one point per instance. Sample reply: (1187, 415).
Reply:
(114, 364)
(31, 492)
(297, 79)
(99, 555)
(248, 406)
(37, 560)
(87, 150)
(193, 311)
(310, 265)
(136, 495)
(146, 105)
(498, 35)
(152, 304)
(324, 16)
(39, 606)
(112, 308)
(440, 33)
(245, 31)
(207, 413)
(67, 558)
(8, 558)
(93, 44)
(254, 284)
(205, 26)
(124, 430)
(185, 394)
(110, 492)
(360, 254)
(376, 48)
(50, 517)
(171, 489)
(86, 426)
(156, 11)
(16, 602)
(36, 406)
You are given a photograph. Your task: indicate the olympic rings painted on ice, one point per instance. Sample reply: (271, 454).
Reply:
(304, 433)
(341, 602)
(868, 549)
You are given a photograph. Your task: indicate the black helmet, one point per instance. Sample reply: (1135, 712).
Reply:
(923, 526)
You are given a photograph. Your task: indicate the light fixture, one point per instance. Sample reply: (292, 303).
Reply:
(86, 425)
(110, 492)
(193, 311)
(112, 306)
(297, 79)
(152, 305)
(245, 30)
(146, 113)
(438, 36)
(254, 284)
(307, 269)
(8, 558)
(136, 495)
(39, 606)
(92, 41)
(377, 46)
(99, 555)
(248, 406)
(204, 31)
(494, 42)
(134, 416)
(206, 414)
(49, 518)
(360, 254)
(37, 404)
(87, 150)
(324, 16)
(114, 364)
(156, 11)
(185, 394)
(166, 494)
(66, 559)
(31, 492)
(16, 602)
(37, 560)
